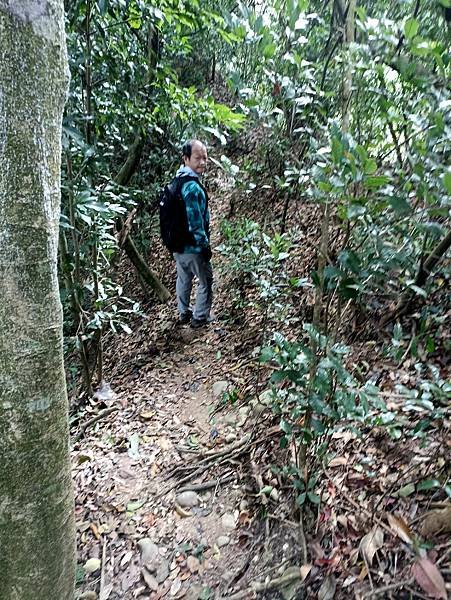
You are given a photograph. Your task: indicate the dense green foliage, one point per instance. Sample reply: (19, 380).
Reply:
(133, 96)
(353, 103)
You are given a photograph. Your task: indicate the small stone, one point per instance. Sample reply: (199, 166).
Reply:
(266, 397)
(192, 563)
(274, 495)
(187, 499)
(230, 437)
(149, 551)
(229, 419)
(219, 388)
(258, 409)
(243, 414)
(228, 521)
(91, 565)
(88, 596)
(223, 540)
(194, 592)
(243, 505)
(162, 571)
(150, 580)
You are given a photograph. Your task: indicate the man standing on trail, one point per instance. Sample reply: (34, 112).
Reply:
(194, 260)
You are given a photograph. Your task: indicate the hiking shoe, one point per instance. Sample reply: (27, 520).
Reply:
(198, 323)
(185, 318)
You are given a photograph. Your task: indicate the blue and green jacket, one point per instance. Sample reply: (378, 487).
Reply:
(196, 211)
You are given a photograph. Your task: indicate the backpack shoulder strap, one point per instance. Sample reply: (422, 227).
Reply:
(180, 181)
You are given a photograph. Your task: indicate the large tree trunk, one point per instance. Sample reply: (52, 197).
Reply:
(37, 558)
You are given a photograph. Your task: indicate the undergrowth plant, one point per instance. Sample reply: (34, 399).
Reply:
(313, 394)
(257, 261)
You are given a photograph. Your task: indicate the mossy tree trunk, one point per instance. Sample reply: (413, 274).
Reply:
(36, 502)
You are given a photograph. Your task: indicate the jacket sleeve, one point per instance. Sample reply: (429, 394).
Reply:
(196, 212)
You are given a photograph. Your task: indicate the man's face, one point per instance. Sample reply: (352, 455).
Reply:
(198, 159)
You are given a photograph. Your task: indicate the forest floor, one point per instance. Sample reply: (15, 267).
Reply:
(177, 497)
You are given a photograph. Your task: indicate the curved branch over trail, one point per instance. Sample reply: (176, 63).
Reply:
(122, 178)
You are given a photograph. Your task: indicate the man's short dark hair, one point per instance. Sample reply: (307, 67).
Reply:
(188, 148)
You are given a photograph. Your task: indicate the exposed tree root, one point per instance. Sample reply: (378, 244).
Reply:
(98, 417)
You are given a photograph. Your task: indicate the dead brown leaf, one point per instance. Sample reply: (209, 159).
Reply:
(436, 522)
(339, 461)
(147, 415)
(371, 543)
(305, 570)
(192, 563)
(400, 528)
(429, 578)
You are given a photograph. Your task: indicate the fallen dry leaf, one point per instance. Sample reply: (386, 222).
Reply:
(371, 543)
(436, 522)
(339, 461)
(429, 578)
(181, 511)
(147, 415)
(175, 587)
(305, 570)
(400, 528)
(327, 589)
(164, 443)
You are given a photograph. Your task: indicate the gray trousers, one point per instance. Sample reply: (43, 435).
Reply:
(188, 267)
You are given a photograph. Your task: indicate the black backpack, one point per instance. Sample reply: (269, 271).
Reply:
(174, 229)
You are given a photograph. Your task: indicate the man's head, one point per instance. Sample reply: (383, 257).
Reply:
(195, 156)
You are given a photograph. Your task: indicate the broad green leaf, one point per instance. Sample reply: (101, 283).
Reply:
(411, 28)
(406, 490)
(132, 506)
(266, 354)
(337, 150)
(324, 186)
(419, 291)
(428, 484)
(283, 442)
(285, 427)
(314, 498)
(301, 499)
(447, 181)
(376, 181)
(97, 206)
(399, 204)
(269, 50)
(103, 6)
(370, 166)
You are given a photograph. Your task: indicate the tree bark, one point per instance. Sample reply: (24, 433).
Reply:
(37, 558)
(347, 80)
